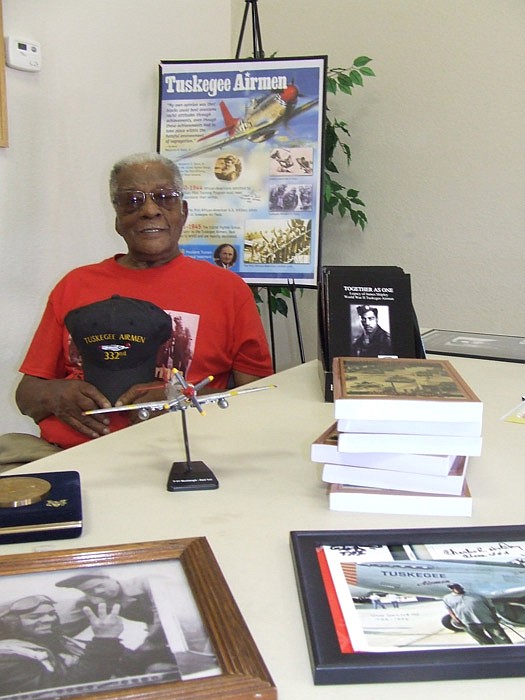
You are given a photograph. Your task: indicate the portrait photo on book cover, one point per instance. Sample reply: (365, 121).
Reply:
(370, 330)
(100, 629)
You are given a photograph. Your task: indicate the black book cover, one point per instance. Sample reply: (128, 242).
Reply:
(57, 516)
(365, 312)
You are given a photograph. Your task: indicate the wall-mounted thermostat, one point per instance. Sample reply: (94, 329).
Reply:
(23, 54)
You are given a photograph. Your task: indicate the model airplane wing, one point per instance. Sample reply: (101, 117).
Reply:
(149, 405)
(181, 402)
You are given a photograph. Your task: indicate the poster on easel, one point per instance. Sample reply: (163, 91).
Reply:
(247, 137)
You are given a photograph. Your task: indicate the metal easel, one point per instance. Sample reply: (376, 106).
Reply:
(258, 53)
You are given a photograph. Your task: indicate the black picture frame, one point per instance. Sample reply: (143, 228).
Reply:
(330, 666)
(482, 346)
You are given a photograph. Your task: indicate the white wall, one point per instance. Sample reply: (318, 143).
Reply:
(438, 149)
(94, 101)
(438, 144)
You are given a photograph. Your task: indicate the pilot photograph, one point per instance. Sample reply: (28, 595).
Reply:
(227, 168)
(225, 255)
(373, 340)
(476, 614)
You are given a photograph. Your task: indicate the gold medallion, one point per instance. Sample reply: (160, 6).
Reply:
(16, 491)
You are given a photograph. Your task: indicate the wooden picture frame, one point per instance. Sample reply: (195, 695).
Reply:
(241, 674)
(333, 664)
(3, 96)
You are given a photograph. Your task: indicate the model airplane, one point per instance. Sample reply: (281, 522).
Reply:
(503, 583)
(261, 120)
(180, 395)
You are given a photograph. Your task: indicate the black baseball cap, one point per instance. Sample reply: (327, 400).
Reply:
(118, 340)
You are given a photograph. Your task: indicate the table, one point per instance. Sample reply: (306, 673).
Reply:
(259, 449)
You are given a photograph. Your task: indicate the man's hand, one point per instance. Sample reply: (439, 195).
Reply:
(142, 393)
(105, 625)
(67, 399)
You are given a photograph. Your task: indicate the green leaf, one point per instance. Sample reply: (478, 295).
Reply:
(347, 152)
(356, 76)
(281, 307)
(331, 85)
(361, 61)
(367, 71)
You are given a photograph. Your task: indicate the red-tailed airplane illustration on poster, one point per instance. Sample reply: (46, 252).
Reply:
(261, 120)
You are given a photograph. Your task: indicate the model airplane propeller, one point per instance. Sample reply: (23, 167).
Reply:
(180, 395)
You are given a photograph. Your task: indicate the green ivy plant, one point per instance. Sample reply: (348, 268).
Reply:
(337, 135)
(337, 198)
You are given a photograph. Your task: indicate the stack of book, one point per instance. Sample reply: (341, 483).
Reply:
(404, 432)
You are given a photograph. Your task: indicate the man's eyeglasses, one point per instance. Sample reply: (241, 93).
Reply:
(130, 201)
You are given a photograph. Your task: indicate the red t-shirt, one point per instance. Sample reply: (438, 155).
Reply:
(216, 326)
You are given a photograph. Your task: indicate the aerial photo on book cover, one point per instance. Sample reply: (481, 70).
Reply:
(402, 389)
(425, 596)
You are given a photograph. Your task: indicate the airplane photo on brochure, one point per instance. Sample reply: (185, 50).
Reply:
(407, 597)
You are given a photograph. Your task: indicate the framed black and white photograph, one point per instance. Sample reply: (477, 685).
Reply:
(483, 346)
(148, 620)
(412, 605)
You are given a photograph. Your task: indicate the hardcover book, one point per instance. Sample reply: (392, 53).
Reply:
(421, 444)
(57, 516)
(410, 427)
(325, 450)
(451, 484)
(366, 312)
(402, 389)
(370, 500)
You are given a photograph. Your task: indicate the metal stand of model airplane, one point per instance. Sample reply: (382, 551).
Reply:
(181, 395)
(188, 475)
